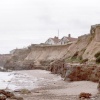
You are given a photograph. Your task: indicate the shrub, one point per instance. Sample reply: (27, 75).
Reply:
(80, 57)
(84, 60)
(97, 54)
(75, 55)
(98, 60)
(45, 63)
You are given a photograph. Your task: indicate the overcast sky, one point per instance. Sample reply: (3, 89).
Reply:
(25, 22)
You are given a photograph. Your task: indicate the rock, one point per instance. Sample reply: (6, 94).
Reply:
(25, 91)
(17, 90)
(18, 98)
(72, 72)
(2, 97)
(8, 95)
(85, 95)
(2, 91)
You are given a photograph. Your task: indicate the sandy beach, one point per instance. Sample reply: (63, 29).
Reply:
(45, 86)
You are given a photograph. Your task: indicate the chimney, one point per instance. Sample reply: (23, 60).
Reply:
(56, 37)
(69, 35)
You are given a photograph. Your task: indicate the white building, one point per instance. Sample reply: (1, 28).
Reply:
(62, 41)
(65, 39)
(53, 41)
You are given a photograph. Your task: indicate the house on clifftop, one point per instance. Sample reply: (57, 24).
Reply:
(62, 41)
(53, 41)
(66, 39)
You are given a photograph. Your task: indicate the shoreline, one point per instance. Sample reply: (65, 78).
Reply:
(51, 86)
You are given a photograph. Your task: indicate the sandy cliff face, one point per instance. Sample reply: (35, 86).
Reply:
(94, 45)
(38, 55)
(4, 58)
(47, 53)
(35, 55)
(87, 45)
(17, 60)
(79, 46)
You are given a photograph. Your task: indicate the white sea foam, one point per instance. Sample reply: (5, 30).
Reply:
(26, 79)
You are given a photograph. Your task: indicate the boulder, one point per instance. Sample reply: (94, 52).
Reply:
(85, 95)
(8, 95)
(2, 97)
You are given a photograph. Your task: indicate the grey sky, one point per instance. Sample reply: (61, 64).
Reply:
(25, 22)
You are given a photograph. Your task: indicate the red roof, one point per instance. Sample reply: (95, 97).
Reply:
(71, 38)
(55, 39)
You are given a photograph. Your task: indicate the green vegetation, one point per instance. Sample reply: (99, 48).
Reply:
(75, 55)
(97, 56)
(83, 50)
(46, 63)
(98, 59)
(84, 60)
(77, 58)
(80, 57)
(73, 60)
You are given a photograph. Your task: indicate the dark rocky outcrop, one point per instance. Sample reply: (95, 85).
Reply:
(57, 67)
(4, 95)
(74, 72)
(85, 95)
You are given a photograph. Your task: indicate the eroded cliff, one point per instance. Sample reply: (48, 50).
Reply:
(4, 58)
(42, 56)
